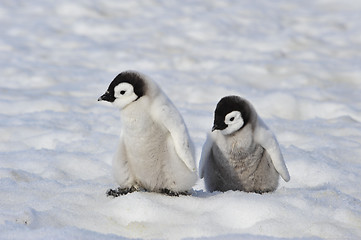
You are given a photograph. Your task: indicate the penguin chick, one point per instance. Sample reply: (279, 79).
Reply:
(155, 152)
(241, 153)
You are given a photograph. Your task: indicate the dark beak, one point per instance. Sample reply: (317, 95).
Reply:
(215, 127)
(106, 97)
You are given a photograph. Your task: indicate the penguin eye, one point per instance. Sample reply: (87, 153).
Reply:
(122, 92)
(232, 117)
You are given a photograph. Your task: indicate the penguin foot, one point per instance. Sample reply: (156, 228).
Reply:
(172, 193)
(120, 191)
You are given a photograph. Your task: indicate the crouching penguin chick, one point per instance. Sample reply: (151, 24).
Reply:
(241, 153)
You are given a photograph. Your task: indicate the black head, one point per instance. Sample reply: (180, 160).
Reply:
(232, 112)
(130, 77)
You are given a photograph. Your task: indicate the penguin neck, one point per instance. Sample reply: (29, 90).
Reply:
(241, 140)
(135, 114)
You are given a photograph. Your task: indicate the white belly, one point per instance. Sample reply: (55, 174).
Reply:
(146, 148)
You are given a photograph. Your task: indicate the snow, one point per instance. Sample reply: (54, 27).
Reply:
(297, 62)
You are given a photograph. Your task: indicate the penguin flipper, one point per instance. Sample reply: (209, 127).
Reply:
(205, 155)
(268, 141)
(171, 119)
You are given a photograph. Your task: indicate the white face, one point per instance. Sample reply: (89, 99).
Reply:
(124, 94)
(234, 122)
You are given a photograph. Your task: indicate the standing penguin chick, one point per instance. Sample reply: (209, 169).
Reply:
(155, 152)
(241, 153)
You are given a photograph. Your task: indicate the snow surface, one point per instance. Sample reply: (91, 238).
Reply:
(298, 62)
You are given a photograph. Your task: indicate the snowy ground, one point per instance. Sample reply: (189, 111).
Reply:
(298, 62)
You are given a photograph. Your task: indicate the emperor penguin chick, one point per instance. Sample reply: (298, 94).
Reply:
(155, 152)
(241, 153)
